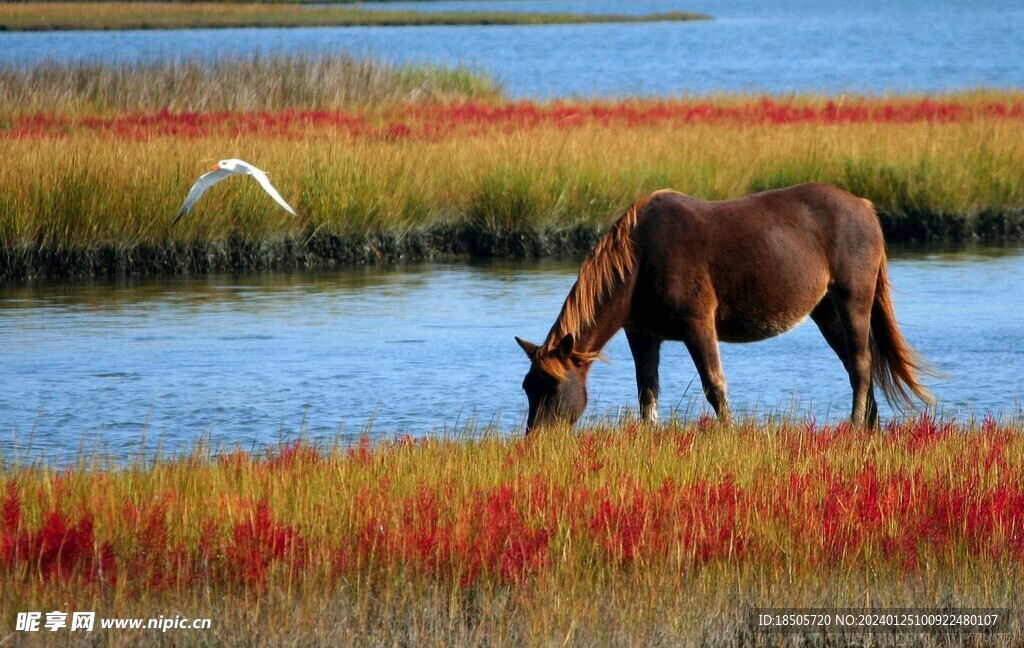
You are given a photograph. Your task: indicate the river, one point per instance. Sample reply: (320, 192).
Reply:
(419, 349)
(782, 46)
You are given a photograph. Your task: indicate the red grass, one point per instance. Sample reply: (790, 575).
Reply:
(58, 549)
(814, 514)
(258, 544)
(437, 121)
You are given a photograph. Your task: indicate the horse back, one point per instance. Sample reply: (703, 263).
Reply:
(757, 264)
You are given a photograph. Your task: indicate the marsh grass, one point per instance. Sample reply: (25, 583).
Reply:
(245, 84)
(90, 203)
(387, 163)
(616, 535)
(42, 16)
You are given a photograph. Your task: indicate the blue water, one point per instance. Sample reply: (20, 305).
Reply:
(250, 360)
(780, 46)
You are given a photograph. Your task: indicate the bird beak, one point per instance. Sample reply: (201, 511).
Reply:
(215, 167)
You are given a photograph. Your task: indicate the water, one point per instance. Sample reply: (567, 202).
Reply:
(780, 46)
(253, 359)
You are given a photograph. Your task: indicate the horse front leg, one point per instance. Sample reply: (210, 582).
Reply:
(701, 341)
(646, 351)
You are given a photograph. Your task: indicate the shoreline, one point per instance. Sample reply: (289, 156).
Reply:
(291, 252)
(447, 242)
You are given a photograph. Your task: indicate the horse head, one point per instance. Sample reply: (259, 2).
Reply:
(556, 384)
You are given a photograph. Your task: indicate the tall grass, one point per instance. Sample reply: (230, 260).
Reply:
(620, 535)
(80, 191)
(246, 84)
(36, 16)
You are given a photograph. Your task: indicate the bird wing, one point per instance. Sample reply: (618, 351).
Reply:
(264, 181)
(204, 182)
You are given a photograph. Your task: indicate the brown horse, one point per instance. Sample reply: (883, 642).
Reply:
(676, 267)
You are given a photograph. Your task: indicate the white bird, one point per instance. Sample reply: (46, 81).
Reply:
(222, 170)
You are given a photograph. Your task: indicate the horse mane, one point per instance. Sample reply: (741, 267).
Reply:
(611, 261)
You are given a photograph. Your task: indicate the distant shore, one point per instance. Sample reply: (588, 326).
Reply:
(54, 16)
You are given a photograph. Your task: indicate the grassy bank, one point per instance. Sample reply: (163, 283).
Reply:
(99, 200)
(48, 16)
(611, 536)
(387, 164)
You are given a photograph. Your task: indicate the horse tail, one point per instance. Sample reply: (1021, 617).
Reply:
(895, 364)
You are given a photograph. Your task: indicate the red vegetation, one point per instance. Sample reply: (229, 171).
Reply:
(487, 535)
(57, 549)
(814, 514)
(437, 121)
(258, 544)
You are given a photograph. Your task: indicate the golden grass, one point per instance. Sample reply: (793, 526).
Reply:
(98, 159)
(84, 188)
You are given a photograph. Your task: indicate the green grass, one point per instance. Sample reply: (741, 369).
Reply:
(44, 16)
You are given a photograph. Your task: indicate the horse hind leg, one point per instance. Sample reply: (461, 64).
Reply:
(872, 413)
(646, 351)
(845, 323)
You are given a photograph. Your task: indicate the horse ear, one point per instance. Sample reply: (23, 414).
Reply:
(529, 347)
(566, 346)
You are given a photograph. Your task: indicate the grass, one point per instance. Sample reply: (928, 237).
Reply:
(385, 163)
(254, 84)
(615, 535)
(45, 16)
